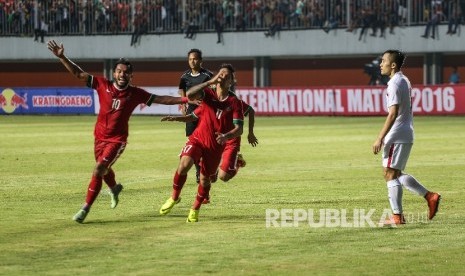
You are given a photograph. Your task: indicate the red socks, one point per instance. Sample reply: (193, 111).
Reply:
(178, 183)
(95, 186)
(202, 193)
(109, 178)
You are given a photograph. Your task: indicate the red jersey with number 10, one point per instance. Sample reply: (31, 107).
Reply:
(116, 107)
(216, 116)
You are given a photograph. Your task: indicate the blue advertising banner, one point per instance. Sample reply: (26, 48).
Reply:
(47, 101)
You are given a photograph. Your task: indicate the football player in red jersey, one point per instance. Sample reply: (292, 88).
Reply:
(221, 119)
(231, 158)
(118, 99)
(195, 75)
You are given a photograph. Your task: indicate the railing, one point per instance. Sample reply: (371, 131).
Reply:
(104, 17)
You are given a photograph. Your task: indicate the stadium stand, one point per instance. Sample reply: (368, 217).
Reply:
(100, 17)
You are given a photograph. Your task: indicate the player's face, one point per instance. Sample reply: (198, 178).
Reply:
(194, 61)
(387, 66)
(122, 76)
(227, 77)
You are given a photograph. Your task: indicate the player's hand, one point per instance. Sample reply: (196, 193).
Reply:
(196, 102)
(215, 80)
(220, 138)
(57, 50)
(377, 146)
(183, 109)
(218, 78)
(252, 139)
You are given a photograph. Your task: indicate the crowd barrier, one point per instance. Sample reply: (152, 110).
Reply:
(86, 17)
(270, 101)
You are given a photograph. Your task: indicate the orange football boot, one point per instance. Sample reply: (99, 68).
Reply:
(433, 200)
(395, 219)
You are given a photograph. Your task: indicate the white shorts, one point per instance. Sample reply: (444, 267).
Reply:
(395, 156)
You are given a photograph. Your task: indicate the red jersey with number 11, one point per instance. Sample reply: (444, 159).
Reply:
(216, 116)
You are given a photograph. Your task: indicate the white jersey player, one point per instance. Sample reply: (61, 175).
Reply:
(396, 140)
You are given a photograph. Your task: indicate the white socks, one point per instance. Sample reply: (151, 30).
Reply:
(412, 184)
(395, 190)
(395, 196)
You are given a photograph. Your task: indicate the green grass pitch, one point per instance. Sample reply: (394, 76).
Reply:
(301, 163)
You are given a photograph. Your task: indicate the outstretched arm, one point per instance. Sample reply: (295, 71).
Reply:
(184, 119)
(170, 100)
(73, 68)
(251, 136)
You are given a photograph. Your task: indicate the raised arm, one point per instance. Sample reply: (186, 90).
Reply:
(73, 68)
(195, 92)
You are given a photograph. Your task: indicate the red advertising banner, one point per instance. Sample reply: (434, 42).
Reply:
(351, 101)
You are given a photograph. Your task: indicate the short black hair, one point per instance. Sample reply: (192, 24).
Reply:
(197, 51)
(126, 62)
(398, 57)
(228, 66)
(231, 69)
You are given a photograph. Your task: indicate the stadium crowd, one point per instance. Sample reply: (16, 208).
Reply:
(138, 17)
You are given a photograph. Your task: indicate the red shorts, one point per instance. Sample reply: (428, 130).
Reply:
(107, 153)
(229, 158)
(209, 157)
